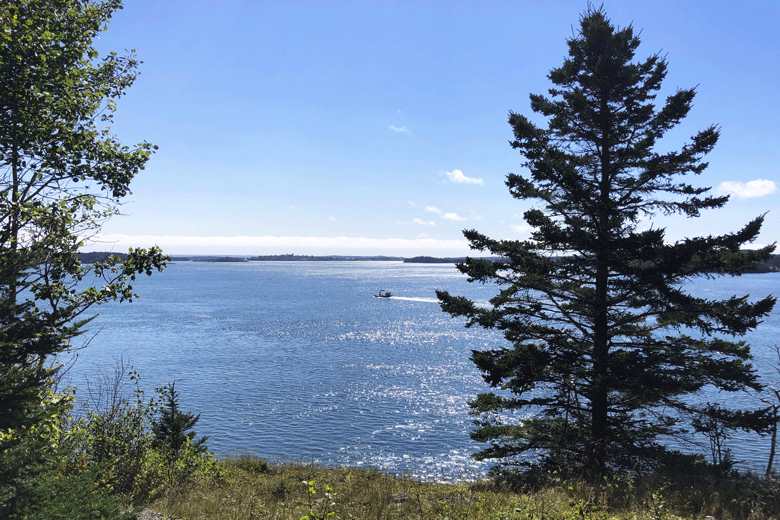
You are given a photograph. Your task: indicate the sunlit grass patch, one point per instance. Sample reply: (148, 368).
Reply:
(252, 489)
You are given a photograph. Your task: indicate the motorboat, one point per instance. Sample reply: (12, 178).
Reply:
(383, 294)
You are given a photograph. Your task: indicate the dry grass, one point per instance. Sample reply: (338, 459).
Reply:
(250, 489)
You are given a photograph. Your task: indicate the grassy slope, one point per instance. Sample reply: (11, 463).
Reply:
(252, 489)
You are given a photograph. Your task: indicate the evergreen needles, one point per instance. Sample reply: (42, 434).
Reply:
(605, 344)
(171, 429)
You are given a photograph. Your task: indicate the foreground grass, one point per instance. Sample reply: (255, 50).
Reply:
(253, 490)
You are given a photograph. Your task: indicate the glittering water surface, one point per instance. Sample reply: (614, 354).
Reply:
(298, 361)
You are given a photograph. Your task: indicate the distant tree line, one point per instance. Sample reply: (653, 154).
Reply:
(772, 265)
(220, 259)
(767, 266)
(433, 260)
(329, 258)
(100, 256)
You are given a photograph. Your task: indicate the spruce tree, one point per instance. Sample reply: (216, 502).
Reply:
(606, 345)
(171, 430)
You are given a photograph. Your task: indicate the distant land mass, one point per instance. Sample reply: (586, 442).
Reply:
(770, 266)
(434, 260)
(102, 256)
(332, 258)
(217, 259)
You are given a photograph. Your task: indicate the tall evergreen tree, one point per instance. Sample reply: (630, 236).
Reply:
(606, 344)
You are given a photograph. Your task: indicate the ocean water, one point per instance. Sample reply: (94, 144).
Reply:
(297, 361)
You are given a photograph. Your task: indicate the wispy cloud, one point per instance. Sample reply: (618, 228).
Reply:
(411, 203)
(271, 245)
(522, 229)
(448, 216)
(331, 218)
(747, 190)
(424, 223)
(402, 130)
(458, 177)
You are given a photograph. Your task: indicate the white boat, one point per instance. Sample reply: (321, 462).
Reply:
(383, 294)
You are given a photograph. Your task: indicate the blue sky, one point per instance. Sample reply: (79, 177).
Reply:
(363, 128)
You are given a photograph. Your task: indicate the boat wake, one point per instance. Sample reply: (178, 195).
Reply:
(412, 299)
(479, 303)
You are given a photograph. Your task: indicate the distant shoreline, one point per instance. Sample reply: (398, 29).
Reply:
(312, 258)
(770, 266)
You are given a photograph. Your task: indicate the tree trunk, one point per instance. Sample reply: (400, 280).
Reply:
(772, 448)
(600, 390)
(599, 396)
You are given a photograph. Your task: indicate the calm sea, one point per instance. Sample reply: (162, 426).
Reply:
(297, 361)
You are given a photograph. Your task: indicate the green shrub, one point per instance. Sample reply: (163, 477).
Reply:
(42, 480)
(112, 436)
(118, 440)
(56, 496)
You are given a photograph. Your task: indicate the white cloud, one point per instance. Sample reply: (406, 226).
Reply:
(753, 246)
(522, 229)
(433, 209)
(411, 203)
(402, 130)
(273, 245)
(747, 190)
(458, 177)
(452, 216)
(424, 223)
(331, 218)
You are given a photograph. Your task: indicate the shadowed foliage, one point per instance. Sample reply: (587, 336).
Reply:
(62, 174)
(605, 344)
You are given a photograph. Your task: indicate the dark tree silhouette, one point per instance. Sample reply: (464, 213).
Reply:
(605, 342)
(172, 427)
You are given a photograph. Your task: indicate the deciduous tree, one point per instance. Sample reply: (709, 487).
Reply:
(62, 173)
(606, 345)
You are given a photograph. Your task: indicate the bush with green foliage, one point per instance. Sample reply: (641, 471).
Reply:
(110, 436)
(101, 459)
(180, 455)
(53, 495)
(115, 439)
